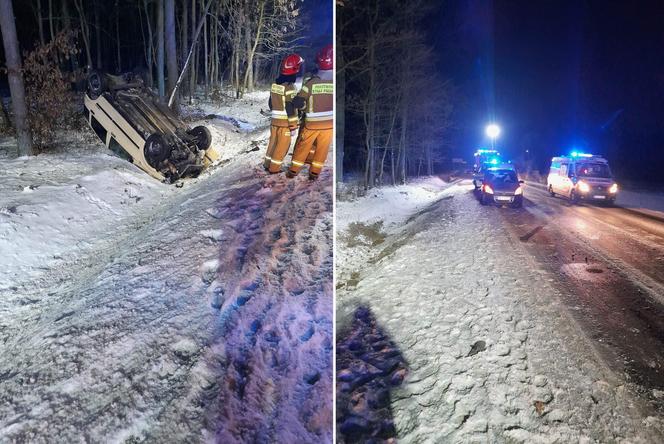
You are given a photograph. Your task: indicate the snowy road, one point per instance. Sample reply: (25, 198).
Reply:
(611, 262)
(495, 345)
(206, 318)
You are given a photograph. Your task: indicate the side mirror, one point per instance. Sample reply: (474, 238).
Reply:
(522, 181)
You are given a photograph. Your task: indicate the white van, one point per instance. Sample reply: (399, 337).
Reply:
(582, 177)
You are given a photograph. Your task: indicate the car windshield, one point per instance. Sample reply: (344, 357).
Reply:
(593, 170)
(503, 177)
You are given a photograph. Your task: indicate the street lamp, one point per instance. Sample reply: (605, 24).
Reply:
(492, 131)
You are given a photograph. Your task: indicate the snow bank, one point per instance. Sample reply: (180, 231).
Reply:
(644, 201)
(53, 208)
(391, 205)
(365, 220)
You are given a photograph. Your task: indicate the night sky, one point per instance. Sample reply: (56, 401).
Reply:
(556, 76)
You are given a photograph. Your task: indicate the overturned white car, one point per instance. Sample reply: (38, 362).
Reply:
(131, 121)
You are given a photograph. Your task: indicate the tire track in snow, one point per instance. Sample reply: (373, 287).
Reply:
(272, 312)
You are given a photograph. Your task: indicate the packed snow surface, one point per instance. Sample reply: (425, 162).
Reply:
(449, 332)
(135, 311)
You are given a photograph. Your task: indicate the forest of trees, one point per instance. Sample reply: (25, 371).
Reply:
(206, 43)
(393, 108)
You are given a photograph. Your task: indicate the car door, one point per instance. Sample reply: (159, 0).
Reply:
(563, 179)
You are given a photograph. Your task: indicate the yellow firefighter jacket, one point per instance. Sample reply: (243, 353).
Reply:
(281, 98)
(317, 99)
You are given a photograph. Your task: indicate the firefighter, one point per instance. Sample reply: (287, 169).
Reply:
(316, 98)
(284, 115)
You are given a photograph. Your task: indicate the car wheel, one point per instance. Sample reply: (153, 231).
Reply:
(551, 191)
(573, 197)
(483, 200)
(95, 85)
(202, 136)
(156, 150)
(517, 203)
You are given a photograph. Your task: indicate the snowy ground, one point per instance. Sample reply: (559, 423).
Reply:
(135, 311)
(449, 332)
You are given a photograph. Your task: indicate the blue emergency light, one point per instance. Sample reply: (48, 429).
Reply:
(578, 154)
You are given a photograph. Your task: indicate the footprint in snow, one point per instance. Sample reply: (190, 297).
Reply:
(215, 235)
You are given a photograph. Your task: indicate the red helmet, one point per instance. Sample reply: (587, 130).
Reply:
(325, 58)
(291, 64)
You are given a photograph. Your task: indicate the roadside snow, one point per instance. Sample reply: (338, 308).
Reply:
(448, 332)
(53, 208)
(391, 205)
(382, 212)
(644, 201)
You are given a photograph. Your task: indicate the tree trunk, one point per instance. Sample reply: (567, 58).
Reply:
(117, 35)
(40, 23)
(205, 51)
(340, 109)
(192, 70)
(66, 20)
(193, 45)
(15, 78)
(184, 44)
(50, 19)
(150, 43)
(160, 49)
(85, 29)
(171, 54)
(98, 37)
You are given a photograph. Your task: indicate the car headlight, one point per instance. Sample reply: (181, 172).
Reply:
(583, 187)
(613, 188)
(518, 191)
(488, 189)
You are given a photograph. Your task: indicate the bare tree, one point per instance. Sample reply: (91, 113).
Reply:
(15, 77)
(85, 29)
(384, 65)
(171, 52)
(160, 49)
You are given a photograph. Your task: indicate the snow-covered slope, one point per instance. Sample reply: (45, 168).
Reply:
(201, 313)
(448, 332)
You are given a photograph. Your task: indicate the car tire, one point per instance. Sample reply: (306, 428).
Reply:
(95, 84)
(517, 203)
(202, 136)
(551, 191)
(483, 199)
(156, 150)
(573, 197)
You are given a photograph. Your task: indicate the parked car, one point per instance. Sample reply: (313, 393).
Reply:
(501, 186)
(582, 177)
(131, 121)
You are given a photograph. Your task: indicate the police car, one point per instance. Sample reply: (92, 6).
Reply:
(582, 176)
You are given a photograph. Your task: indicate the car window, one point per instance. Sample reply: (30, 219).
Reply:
(504, 177)
(593, 170)
(563, 170)
(99, 129)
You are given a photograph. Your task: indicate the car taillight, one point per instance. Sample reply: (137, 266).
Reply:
(487, 189)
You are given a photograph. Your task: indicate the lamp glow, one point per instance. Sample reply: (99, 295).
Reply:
(492, 131)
